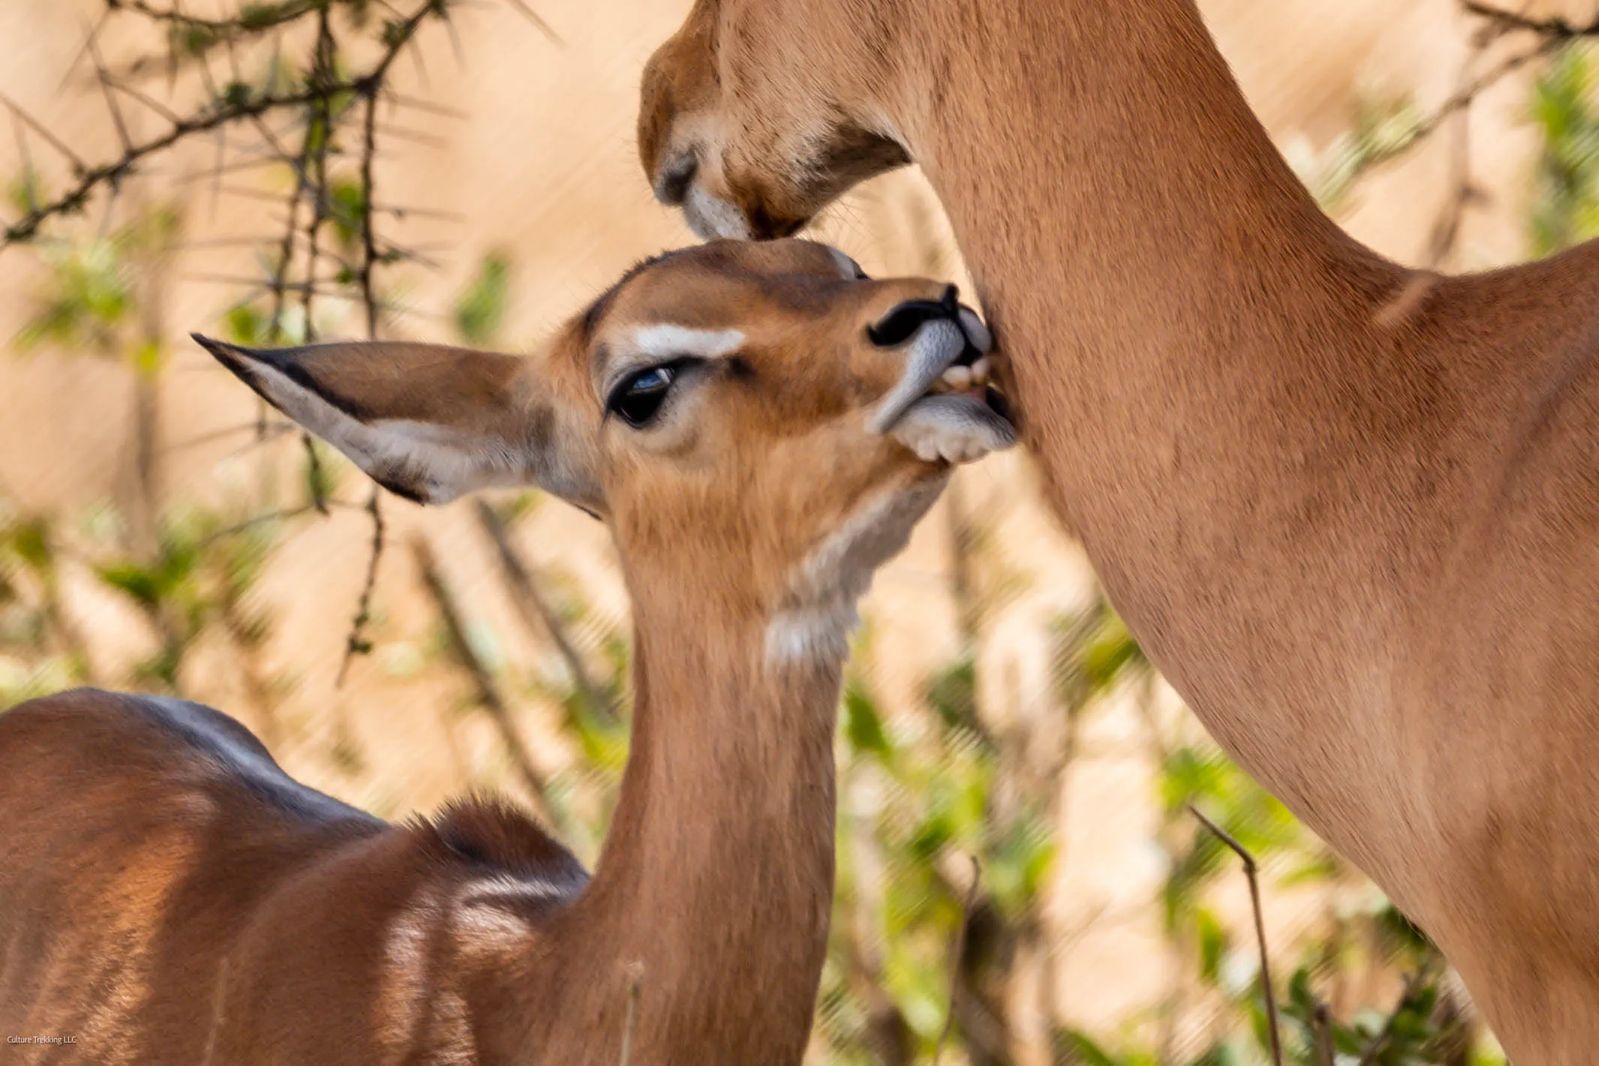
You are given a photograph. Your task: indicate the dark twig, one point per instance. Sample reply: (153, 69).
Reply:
(356, 643)
(489, 696)
(104, 77)
(1251, 872)
(223, 110)
(536, 611)
(1462, 99)
(955, 958)
(93, 178)
(1558, 29)
(1446, 230)
(43, 131)
(369, 248)
(1322, 1020)
(220, 29)
(533, 17)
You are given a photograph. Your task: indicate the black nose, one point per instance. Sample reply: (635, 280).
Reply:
(902, 322)
(671, 186)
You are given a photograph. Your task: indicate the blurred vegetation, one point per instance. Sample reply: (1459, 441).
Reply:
(952, 829)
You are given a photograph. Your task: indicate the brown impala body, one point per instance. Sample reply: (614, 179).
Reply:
(1350, 509)
(750, 420)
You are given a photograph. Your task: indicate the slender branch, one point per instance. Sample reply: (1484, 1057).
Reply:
(229, 107)
(955, 958)
(94, 178)
(258, 19)
(536, 611)
(1251, 872)
(103, 76)
(356, 643)
(533, 17)
(1322, 1019)
(1559, 29)
(42, 130)
(489, 696)
(369, 248)
(1460, 100)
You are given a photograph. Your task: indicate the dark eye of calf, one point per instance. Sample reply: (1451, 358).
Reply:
(640, 395)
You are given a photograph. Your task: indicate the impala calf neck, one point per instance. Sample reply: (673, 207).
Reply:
(760, 426)
(1351, 510)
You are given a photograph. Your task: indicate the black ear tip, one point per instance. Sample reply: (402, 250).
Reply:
(215, 347)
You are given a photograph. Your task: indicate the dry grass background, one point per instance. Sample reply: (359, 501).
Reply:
(543, 166)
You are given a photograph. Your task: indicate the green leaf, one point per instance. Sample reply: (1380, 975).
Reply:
(1084, 1049)
(1213, 942)
(480, 310)
(863, 726)
(143, 585)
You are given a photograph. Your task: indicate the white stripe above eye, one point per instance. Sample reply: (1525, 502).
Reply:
(666, 340)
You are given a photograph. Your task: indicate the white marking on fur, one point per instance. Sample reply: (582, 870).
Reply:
(811, 634)
(402, 983)
(415, 1002)
(488, 927)
(710, 216)
(665, 340)
(821, 612)
(486, 906)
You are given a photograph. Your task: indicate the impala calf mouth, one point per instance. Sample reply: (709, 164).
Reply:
(946, 406)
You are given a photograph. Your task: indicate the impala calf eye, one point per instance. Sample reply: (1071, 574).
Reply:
(637, 399)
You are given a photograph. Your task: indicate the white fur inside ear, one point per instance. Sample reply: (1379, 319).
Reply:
(435, 463)
(665, 340)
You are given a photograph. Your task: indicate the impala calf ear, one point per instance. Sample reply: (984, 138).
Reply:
(427, 422)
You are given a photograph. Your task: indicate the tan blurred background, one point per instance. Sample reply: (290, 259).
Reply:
(542, 167)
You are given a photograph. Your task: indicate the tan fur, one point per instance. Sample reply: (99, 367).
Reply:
(1352, 511)
(168, 895)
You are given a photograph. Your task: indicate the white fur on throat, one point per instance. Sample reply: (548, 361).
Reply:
(815, 623)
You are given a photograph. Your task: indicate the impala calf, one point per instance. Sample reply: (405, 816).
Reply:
(760, 426)
(1350, 509)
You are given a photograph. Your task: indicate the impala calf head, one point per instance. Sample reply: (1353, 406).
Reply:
(735, 403)
(745, 121)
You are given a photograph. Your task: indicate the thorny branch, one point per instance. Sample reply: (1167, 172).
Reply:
(1552, 34)
(323, 103)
